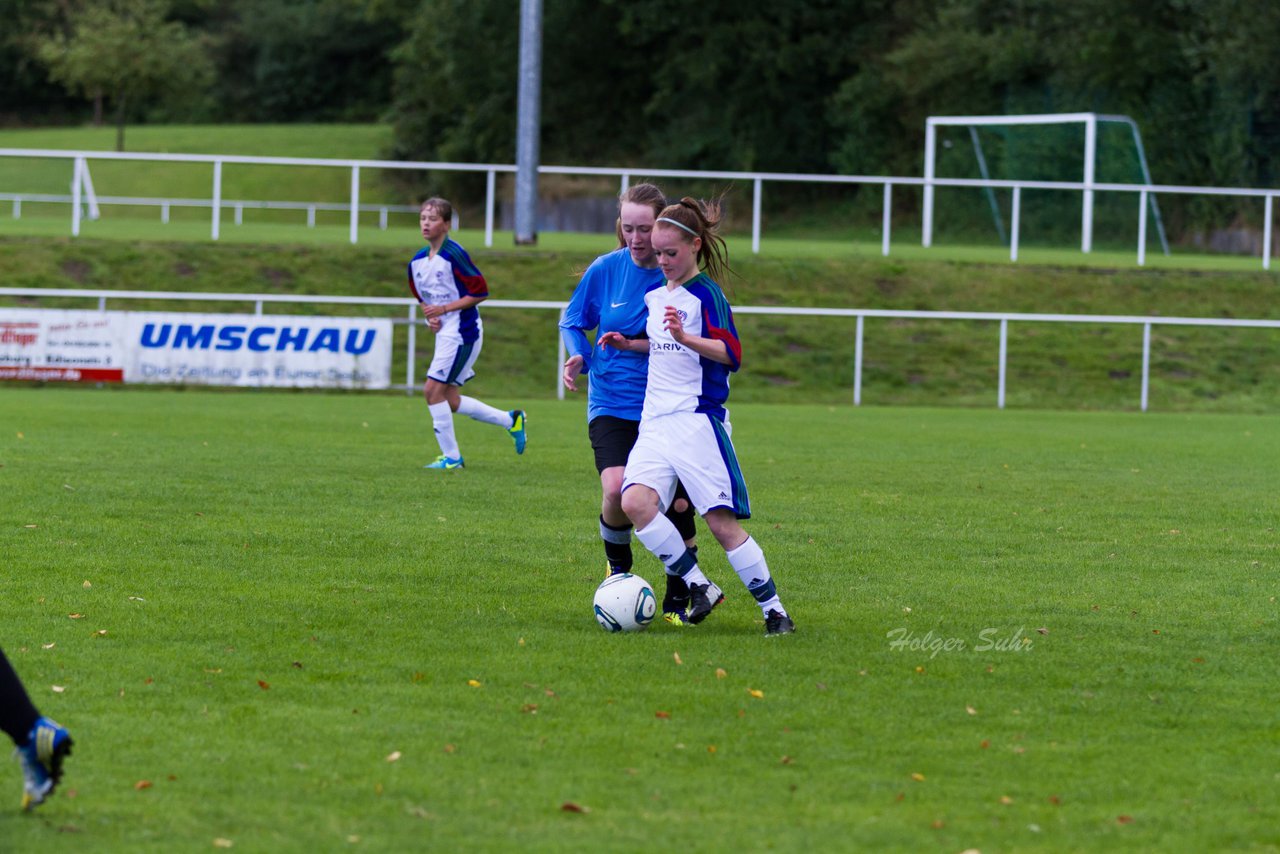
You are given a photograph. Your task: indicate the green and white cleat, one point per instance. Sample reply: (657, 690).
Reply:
(443, 462)
(517, 430)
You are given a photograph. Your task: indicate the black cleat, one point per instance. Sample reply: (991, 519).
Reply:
(702, 599)
(776, 623)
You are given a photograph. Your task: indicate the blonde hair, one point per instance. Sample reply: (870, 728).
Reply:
(700, 218)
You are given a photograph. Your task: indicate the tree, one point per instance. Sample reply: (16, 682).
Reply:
(127, 51)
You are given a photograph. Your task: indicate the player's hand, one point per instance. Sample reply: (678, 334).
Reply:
(430, 311)
(613, 339)
(673, 324)
(572, 367)
(434, 324)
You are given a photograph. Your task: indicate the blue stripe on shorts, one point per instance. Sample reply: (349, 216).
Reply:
(741, 503)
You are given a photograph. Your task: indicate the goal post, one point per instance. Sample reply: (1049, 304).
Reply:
(1089, 159)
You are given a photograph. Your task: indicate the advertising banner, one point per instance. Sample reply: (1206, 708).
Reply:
(195, 349)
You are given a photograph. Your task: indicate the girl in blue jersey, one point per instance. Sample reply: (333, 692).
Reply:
(449, 287)
(693, 346)
(610, 298)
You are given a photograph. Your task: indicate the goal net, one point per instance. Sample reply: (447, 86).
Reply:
(1086, 148)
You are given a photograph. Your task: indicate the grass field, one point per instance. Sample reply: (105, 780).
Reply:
(270, 628)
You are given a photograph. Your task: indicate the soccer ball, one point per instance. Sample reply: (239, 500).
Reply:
(625, 603)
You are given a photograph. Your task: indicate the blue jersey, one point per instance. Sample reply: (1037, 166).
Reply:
(610, 298)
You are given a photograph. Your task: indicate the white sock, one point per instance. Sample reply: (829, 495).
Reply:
(748, 561)
(662, 538)
(442, 421)
(480, 411)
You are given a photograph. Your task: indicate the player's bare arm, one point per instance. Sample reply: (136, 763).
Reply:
(716, 351)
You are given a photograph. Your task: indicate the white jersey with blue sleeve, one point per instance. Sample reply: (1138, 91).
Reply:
(610, 298)
(444, 277)
(680, 380)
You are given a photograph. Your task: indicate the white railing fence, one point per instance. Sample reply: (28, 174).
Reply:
(412, 319)
(82, 190)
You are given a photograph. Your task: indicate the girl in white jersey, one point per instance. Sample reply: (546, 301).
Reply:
(449, 286)
(684, 428)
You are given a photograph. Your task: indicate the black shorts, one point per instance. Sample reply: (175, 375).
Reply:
(612, 439)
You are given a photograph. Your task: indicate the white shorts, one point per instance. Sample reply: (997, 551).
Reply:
(695, 448)
(454, 361)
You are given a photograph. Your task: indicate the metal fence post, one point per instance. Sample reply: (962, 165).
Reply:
(489, 193)
(355, 202)
(1015, 223)
(1146, 363)
(1004, 360)
(75, 196)
(1266, 233)
(217, 197)
(755, 217)
(1142, 228)
(857, 363)
(413, 330)
(884, 225)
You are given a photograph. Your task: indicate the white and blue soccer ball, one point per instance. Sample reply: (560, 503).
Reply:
(625, 603)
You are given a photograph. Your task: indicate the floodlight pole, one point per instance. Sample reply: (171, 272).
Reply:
(528, 119)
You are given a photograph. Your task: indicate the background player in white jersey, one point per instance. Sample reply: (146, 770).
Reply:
(449, 286)
(684, 429)
(610, 297)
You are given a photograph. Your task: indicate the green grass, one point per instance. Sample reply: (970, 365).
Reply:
(286, 600)
(788, 360)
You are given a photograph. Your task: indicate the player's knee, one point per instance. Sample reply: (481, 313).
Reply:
(640, 503)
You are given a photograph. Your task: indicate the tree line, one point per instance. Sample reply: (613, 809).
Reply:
(789, 85)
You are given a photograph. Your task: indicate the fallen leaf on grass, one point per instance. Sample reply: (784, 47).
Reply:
(393, 756)
(58, 689)
(143, 784)
(474, 683)
(676, 656)
(449, 748)
(663, 715)
(984, 744)
(971, 710)
(756, 692)
(720, 674)
(529, 708)
(711, 748)
(570, 806)
(100, 633)
(264, 685)
(48, 645)
(787, 760)
(1124, 819)
(87, 584)
(75, 616)
(1006, 800)
(918, 777)
(1042, 630)
(222, 843)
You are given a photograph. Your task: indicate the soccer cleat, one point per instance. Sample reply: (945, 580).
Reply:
(676, 600)
(702, 599)
(42, 757)
(776, 623)
(443, 462)
(517, 430)
(610, 569)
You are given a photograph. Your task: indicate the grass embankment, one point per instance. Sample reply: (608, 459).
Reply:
(794, 360)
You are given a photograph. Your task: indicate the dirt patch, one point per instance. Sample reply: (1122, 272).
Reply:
(76, 270)
(277, 277)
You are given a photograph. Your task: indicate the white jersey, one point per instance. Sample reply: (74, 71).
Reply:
(680, 380)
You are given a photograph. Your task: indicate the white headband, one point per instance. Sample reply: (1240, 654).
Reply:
(677, 224)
